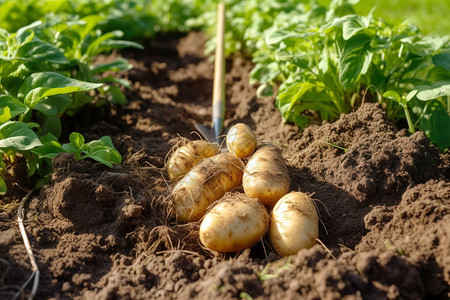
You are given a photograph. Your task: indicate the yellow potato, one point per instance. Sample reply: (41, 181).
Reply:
(205, 183)
(266, 176)
(294, 224)
(187, 156)
(234, 224)
(241, 140)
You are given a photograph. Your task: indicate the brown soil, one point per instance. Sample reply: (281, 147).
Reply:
(101, 233)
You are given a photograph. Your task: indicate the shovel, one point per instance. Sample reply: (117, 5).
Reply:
(213, 133)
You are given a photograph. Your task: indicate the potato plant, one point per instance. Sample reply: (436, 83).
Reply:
(44, 68)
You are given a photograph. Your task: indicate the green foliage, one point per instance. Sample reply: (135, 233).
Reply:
(329, 60)
(100, 150)
(44, 68)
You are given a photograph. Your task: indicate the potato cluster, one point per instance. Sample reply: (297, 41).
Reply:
(232, 222)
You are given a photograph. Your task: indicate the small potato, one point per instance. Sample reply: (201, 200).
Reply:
(241, 140)
(294, 224)
(188, 155)
(266, 176)
(234, 224)
(205, 183)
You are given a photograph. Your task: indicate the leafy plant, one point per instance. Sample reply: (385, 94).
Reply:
(100, 150)
(44, 68)
(38, 143)
(328, 62)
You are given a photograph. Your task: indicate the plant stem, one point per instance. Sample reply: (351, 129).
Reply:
(408, 118)
(422, 114)
(34, 267)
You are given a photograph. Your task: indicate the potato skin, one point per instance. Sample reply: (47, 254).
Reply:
(187, 156)
(205, 183)
(266, 176)
(294, 224)
(234, 224)
(241, 140)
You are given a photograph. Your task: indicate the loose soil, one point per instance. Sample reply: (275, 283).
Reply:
(100, 233)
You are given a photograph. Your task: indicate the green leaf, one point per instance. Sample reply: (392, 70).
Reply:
(424, 46)
(355, 60)
(116, 96)
(11, 84)
(15, 106)
(8, 66)
(101, 150)
(69, 148)
(433, 91)
(38, 51)
(76, 139)
(301, 90)
(117, 44)
(40, 85)
(411, 95)
(53, 105)
(26, 33)
(435, 124)
(122, 81)
(51, 124)
(353, 25)
(17, 136)
(392, 95)
(48, 149)
(5, 114)
(94, 46)
(290, 97)
(278, 36)
(2, 186)
(103, 154)
(120, 64)
(442, 60)
(353, 64)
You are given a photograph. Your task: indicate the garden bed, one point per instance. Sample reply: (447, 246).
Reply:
(99, 233)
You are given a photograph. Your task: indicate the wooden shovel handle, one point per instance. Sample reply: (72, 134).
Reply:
(218, 105)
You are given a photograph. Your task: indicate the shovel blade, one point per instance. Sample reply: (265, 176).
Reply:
(208, 133)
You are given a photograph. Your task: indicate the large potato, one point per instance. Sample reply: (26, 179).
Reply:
(187, 156)
(241, 140)
(234, 224)
(266, 176)
(294, 224)
(205, 183)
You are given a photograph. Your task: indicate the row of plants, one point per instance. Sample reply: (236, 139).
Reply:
(319, 60)
(331, 63)
(45, 70)
(325, 60)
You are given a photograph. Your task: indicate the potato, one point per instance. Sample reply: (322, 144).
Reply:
(241, 140)
(234, 223)
(187, 156)
(266, 176)
(294, 224)
(205, 183)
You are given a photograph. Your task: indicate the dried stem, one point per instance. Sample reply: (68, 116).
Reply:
(26, 242)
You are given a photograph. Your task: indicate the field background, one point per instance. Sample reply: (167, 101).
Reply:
(430, 16)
